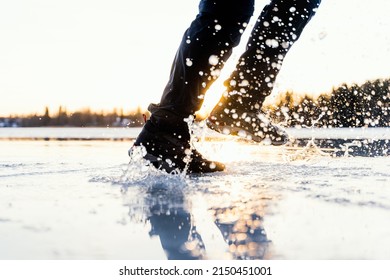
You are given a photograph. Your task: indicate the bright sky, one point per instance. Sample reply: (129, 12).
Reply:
(117, 53)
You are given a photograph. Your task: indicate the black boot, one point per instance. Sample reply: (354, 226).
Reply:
(171, 151)
(230, 117)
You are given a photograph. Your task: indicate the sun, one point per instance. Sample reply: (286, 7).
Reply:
(211, 99)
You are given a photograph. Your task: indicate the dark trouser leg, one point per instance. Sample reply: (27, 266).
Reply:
(205, 47)
(278, 27)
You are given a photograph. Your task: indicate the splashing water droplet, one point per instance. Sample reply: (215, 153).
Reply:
(189, 62)
(272, 43)
(213, 60)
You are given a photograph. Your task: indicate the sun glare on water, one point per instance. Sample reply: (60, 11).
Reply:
(226, 150)
(211, 99)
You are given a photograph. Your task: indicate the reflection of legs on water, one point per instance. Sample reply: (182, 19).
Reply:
(179, 239)
(244, 234)
(172, 223)
(169, 213)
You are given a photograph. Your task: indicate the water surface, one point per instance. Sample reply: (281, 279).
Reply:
(83, 200)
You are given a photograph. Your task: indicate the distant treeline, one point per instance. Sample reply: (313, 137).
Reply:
(83, 118)
(366, 105)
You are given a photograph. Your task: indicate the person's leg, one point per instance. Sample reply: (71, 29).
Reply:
(205, 47)
(277, 28)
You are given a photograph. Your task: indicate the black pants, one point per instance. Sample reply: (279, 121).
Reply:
(208, 43)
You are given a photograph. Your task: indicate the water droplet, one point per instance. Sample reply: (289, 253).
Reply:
(188, 62)
(213, 60)
(272, 43)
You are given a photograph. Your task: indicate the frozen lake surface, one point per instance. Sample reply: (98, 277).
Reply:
(84, 200)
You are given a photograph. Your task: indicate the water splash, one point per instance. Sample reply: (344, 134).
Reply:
(140, 171)
(308, 152)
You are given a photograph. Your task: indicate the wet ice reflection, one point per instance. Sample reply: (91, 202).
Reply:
(175, 212)
(78, 200)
